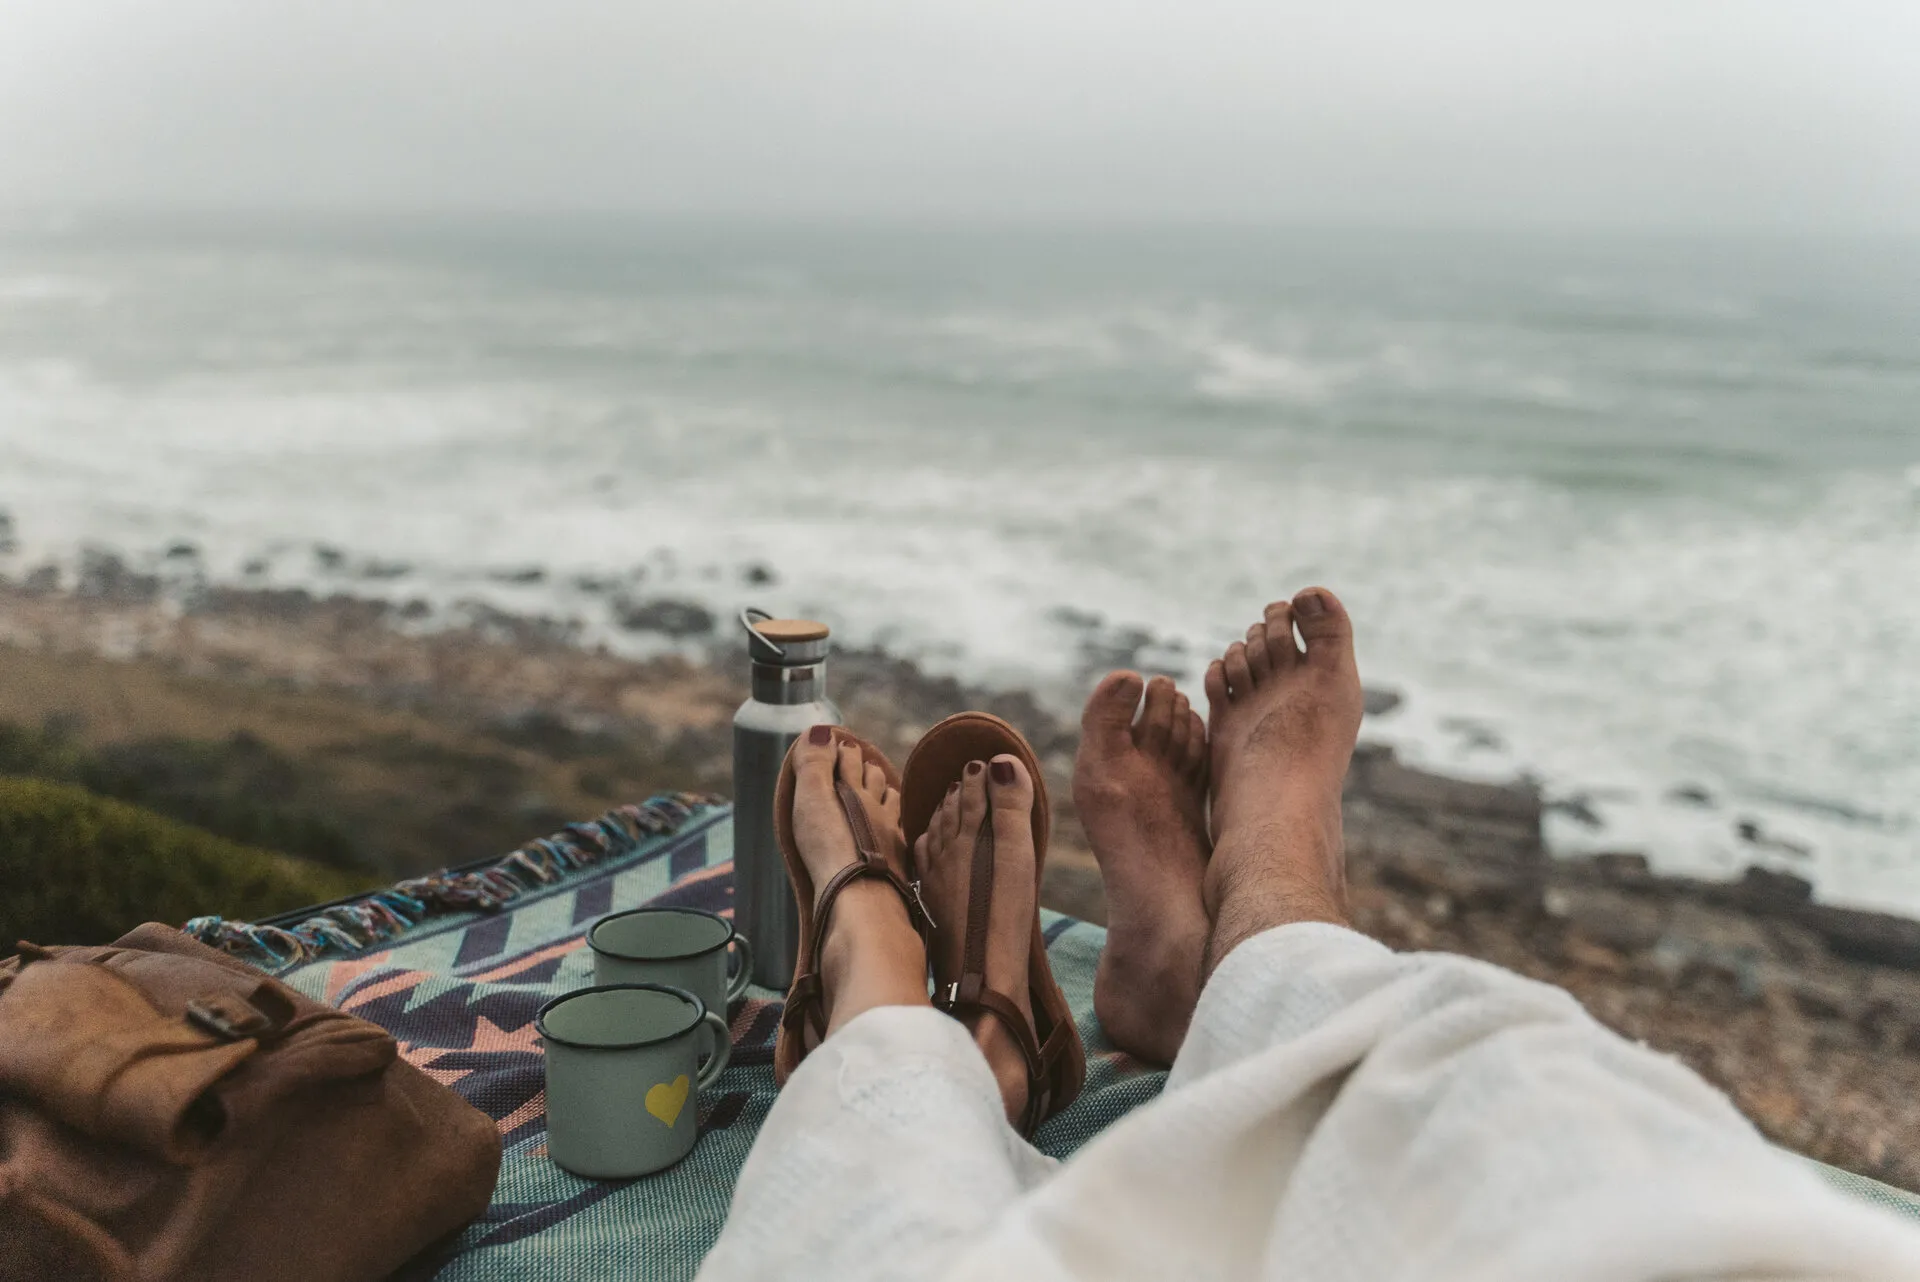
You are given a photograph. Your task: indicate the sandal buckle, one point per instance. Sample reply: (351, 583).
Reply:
(921, 904)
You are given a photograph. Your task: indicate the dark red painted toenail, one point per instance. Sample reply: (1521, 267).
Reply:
(820, 736)
(1311, 604)
(1003, 772)
(973, 769)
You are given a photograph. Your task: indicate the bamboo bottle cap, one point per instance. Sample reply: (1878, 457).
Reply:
(790, 631)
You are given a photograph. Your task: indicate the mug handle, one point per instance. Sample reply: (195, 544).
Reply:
(722, 1050)
(744, 976)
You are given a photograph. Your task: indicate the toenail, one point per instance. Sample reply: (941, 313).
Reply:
(820, 736)
(953, 787)
(1311, 604)
(1003, 772)
(973, 769)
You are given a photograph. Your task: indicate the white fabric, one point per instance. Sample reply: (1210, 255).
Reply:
(1339, 1111)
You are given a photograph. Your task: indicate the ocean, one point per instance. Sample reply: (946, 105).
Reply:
(1635, 516)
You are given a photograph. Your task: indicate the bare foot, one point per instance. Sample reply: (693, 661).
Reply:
(1283, 723)
(944, 855)
(1141, 792)
(872, 955)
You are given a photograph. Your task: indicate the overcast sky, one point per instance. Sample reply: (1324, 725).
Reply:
(1634, 112)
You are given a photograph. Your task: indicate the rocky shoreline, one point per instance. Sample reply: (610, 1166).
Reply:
(436, 744)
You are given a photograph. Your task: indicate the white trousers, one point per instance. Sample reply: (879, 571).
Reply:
(1339, 1111)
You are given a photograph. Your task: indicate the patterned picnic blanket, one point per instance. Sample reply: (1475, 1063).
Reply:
(460, 991)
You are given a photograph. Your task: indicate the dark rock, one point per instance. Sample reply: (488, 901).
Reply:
(1116, 648)
(674, 618)
(254, 568)
(530, 631)
(1378, 703)
(183, 551)
(1577, 808)
(1506, 809)
(1766, 891)
(1474, 734)
(43, 581)
(284, 604)
(1865, 936)
(415, 609)
(1749, 831)
(760, 576)
(519, 574)
(594, 583)
(1691, 794)
(8, 543)
(328, 557)
(384, 570)
(1078, 620)
(105, 577)
(1620, 867)
(1368, 751)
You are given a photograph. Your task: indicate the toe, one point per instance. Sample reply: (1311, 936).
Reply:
(1177, 729)
(851, 765)
(1239, 675)
(1215, 685)
(1195, 763)
(947, 823)
(1107, 723)
(1325, 625)
(874, 781)
(814, 756)
(972, 809)
(1282, 650)
(1011, 790)
(1157, 719)
(1256, 642)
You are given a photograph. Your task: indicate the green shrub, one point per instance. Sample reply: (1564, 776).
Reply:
(76, 868)
(239, 787)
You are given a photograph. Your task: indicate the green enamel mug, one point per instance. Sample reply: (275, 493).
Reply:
(624, 1076)
(684, 947)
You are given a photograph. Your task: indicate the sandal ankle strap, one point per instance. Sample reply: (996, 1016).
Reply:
(806, 1000)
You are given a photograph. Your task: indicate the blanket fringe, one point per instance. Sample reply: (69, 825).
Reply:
(381, 915)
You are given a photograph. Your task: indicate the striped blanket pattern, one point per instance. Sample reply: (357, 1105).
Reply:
(460, 991)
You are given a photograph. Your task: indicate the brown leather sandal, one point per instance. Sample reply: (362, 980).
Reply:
(1050, 1044)
(806, 999)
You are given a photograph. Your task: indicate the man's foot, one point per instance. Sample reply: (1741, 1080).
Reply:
(872, 955)
(1141, 792)
(1283, 721)
(944, 856)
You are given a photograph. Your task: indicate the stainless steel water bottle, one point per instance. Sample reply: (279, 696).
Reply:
(788, 662)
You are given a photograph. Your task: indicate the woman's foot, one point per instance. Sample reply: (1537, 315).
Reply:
(872, 956)
(944, 856)
(1283, 720)
(1141, 792)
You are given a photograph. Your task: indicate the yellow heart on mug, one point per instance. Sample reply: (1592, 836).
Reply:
(667, 1099)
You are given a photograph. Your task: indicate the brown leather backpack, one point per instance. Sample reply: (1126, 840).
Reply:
(168, 1112)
